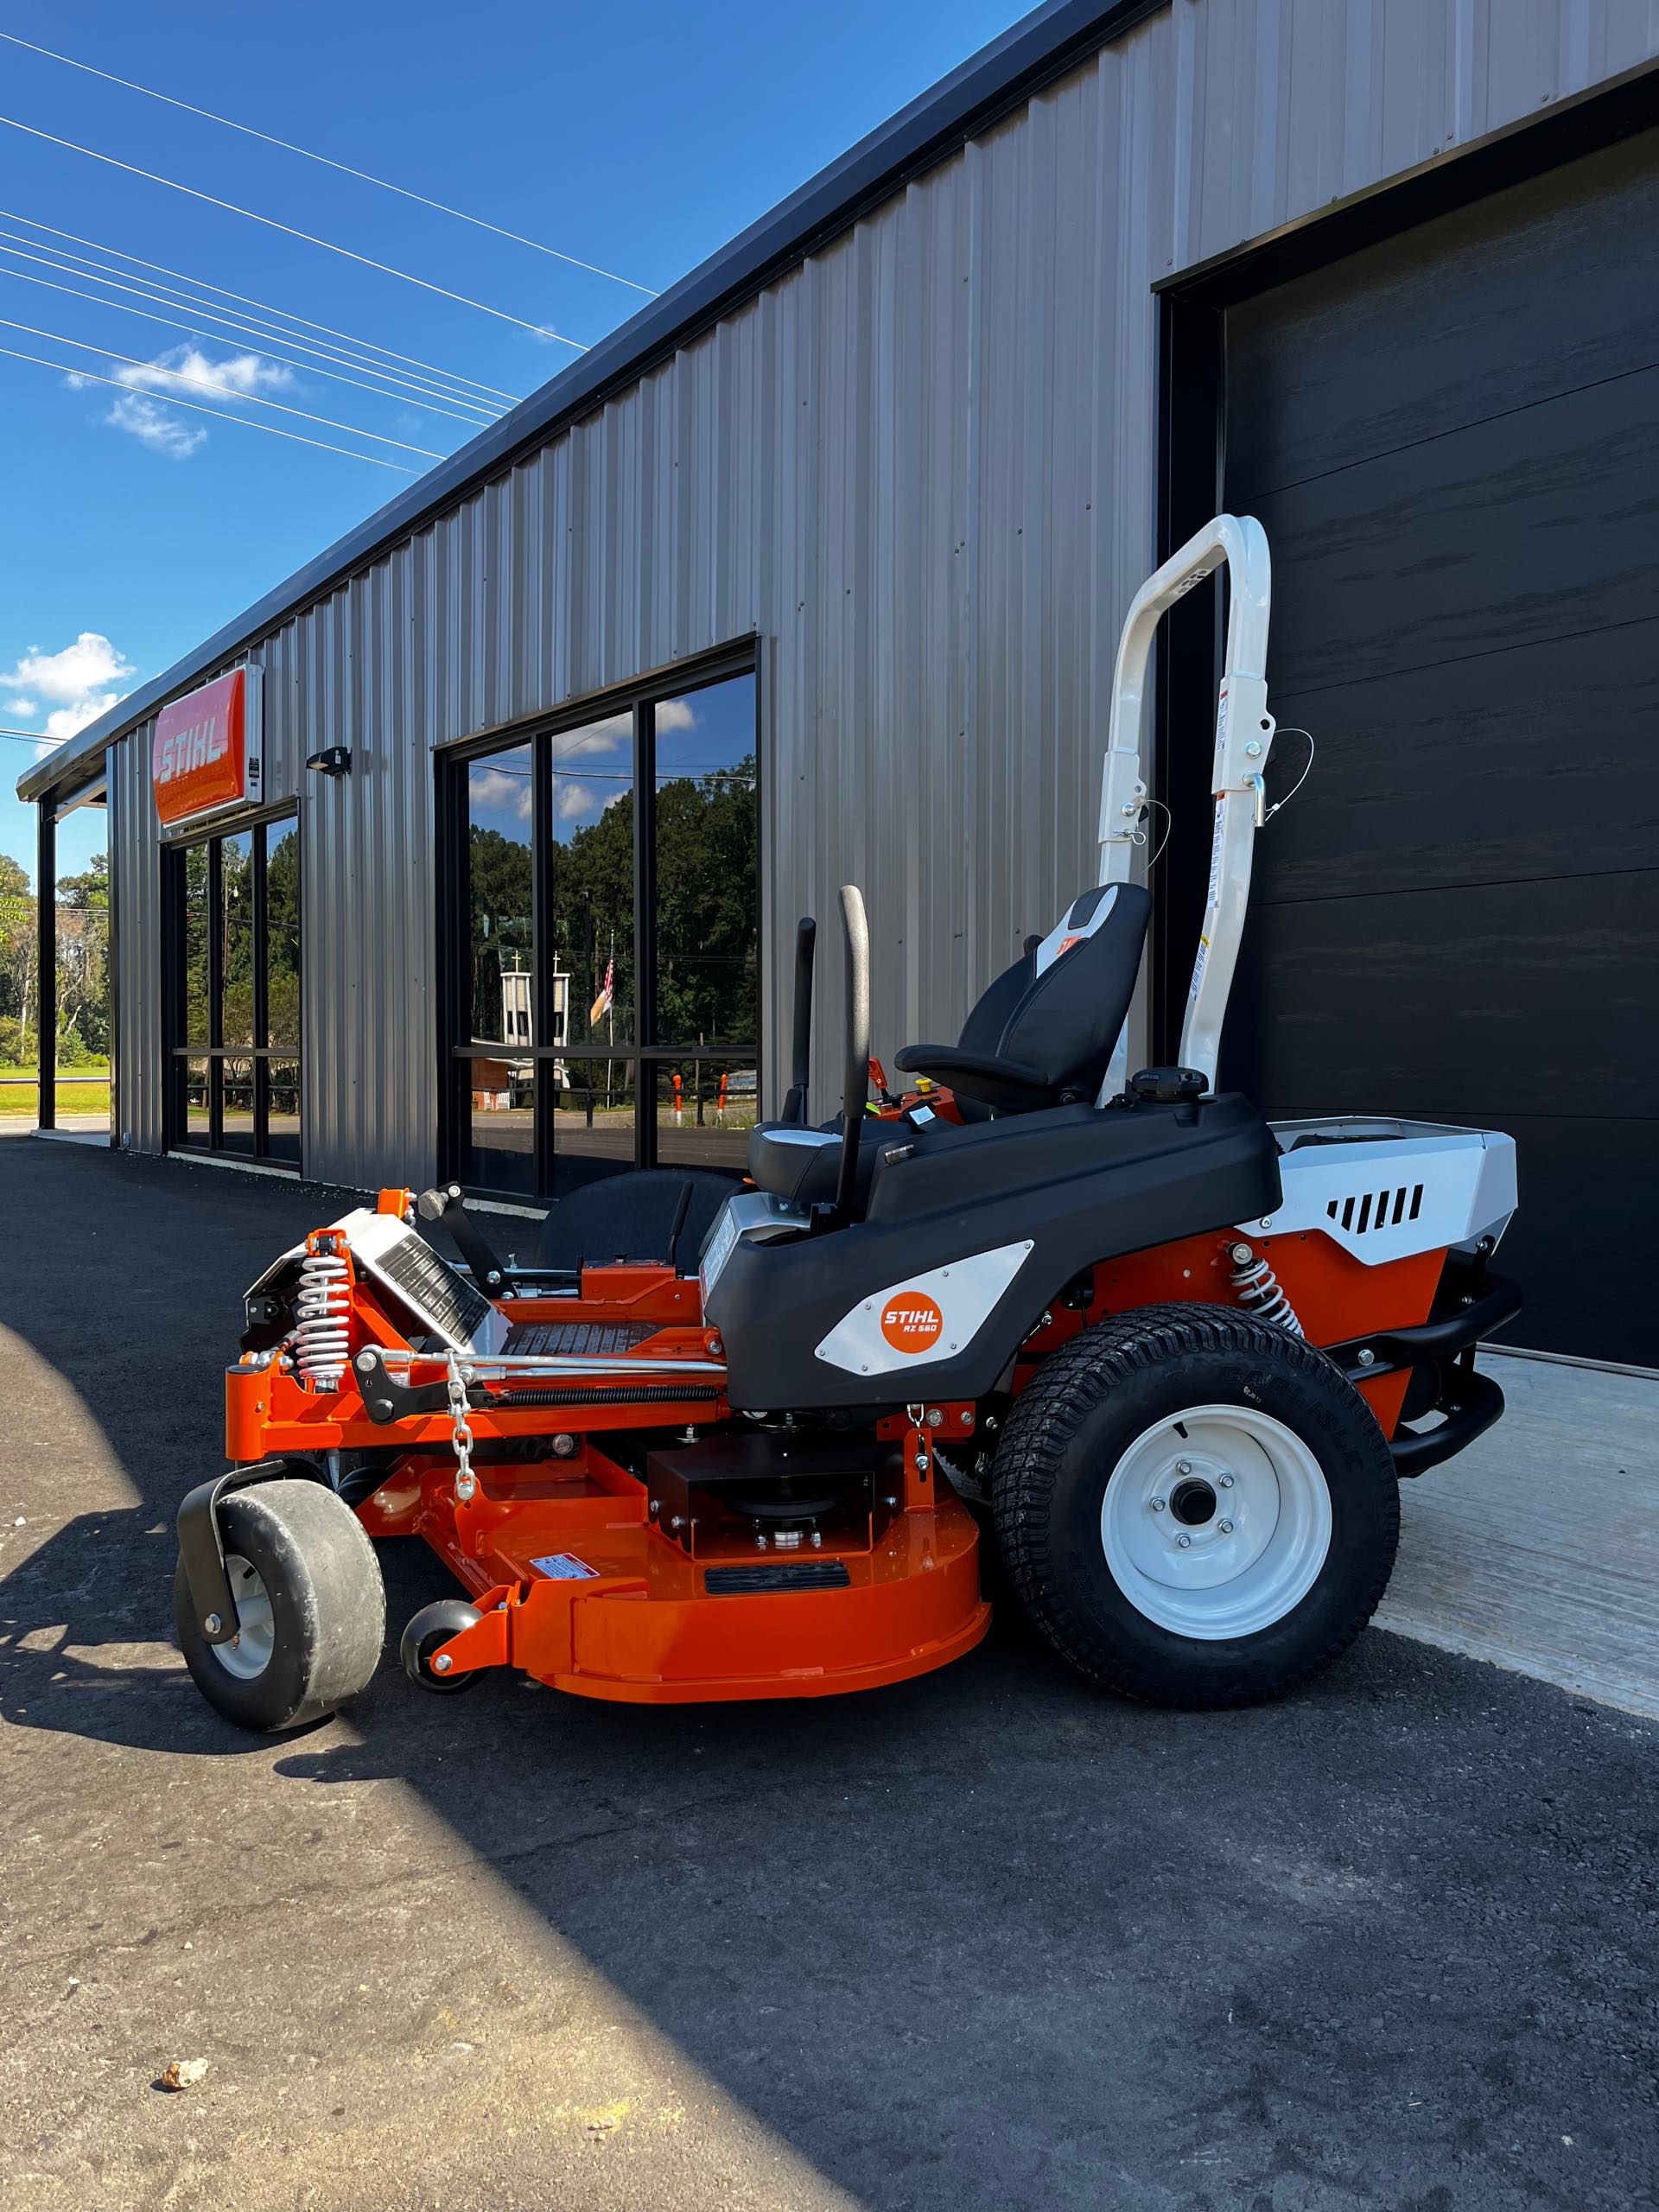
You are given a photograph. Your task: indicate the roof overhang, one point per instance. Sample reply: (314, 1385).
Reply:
(1039, 48)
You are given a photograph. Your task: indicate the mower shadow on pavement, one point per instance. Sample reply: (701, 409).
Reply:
(983, 1940)
(79, 1642)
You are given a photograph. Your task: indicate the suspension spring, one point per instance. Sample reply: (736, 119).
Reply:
(1256, 1286)
(321, 1339)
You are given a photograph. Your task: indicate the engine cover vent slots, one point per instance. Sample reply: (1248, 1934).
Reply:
(787, 1574)
(576, 1339)
(1370, 1209)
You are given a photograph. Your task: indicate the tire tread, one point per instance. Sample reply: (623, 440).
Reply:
(1072, 1380)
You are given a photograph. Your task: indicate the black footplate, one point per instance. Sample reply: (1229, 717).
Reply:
(574, 1339)
(780, 1574)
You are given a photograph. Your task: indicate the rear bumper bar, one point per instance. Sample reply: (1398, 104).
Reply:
(1469, 1402)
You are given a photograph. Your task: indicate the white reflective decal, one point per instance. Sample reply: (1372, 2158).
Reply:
(925, 1317)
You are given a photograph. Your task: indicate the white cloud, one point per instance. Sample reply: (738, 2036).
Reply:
(186, 368)
(575, 800)
(23, 709)
(156, 426)
(493, 791)
(92, 661)
(83, 679)
(613, 735)
(183, 371)
(66, 721)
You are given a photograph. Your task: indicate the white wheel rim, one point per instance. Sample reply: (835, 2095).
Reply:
(1250, 1499)
(248, 1653)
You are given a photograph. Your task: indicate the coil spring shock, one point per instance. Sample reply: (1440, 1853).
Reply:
(322, 1339)
(1256, 1287)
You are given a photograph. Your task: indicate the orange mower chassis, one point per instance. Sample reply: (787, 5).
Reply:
(564, 1554)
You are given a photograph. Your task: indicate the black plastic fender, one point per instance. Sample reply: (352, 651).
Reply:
(202, 1550)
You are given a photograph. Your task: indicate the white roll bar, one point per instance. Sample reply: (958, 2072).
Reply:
(1244, 738)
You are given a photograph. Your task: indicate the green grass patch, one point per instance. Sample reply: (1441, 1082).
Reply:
(19, 1094)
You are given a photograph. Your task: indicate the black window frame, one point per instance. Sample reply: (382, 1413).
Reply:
(643, 1055)
(178, 1053)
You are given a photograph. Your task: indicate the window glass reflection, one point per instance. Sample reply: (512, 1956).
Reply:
(236, 936)
(502, 1122)
(593, 1107)
(283, 936)
(502, 956)
(708, 839)
(705, 1111)
(197, 1010)
(592, 882)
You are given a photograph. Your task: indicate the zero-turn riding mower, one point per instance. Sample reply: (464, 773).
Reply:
(1178, 1356)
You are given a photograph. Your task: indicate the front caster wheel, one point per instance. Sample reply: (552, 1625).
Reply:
(432, 1627)
(1195, 1507)
(310, 1602)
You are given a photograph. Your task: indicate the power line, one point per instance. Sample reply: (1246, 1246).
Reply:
(344, 167)
(421, 388)
(450, 376)
(170, 322)
(34, 737)
(310, 237)
(214, 413)
(206, 383)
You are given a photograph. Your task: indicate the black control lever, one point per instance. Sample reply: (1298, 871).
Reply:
(800, 1059)
(444, 1203)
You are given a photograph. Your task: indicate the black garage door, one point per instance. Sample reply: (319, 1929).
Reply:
(1453, 441)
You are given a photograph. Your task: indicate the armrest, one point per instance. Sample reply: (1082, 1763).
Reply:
(982, 1075)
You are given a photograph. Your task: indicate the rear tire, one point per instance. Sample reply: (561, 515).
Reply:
(312, 1606)
(1194, 1508)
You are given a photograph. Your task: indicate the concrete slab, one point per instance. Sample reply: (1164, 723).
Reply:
(984, 1941)
(1538, 1548)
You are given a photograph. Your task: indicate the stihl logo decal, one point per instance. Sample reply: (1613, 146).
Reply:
(204, 755)
(911, 1321)
(191, 748)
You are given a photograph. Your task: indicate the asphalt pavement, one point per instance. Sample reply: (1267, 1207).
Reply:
(989, 1940)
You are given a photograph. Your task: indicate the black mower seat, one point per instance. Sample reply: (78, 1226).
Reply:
(1057, 1038)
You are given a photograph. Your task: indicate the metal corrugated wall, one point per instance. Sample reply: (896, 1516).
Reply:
(135, 878)
(919, 470)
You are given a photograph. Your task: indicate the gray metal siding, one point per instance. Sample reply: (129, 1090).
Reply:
(135, 875)
(919, 469)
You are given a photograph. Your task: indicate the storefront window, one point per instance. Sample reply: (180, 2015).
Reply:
(706, 831)
(233, 1012)
(283, 937)
(609, 919)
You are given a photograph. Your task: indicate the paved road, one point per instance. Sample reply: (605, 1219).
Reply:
(984, 1941)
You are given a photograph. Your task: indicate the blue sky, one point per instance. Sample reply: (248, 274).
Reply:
(638, 139)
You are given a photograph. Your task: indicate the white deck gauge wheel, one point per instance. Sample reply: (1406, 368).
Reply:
(310, 1607)
(248, 1653)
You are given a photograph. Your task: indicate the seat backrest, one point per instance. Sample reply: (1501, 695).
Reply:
(1069, 1016)
(982, 1031)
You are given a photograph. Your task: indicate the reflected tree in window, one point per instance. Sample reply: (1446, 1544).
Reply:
(500, 878)
(283, 937)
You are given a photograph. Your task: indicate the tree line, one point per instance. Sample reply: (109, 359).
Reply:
(83, 965)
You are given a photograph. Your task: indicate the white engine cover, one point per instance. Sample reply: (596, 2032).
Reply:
(1386, 1189)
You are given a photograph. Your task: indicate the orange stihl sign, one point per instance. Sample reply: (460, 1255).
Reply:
(204, 757)
(911, 1321)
